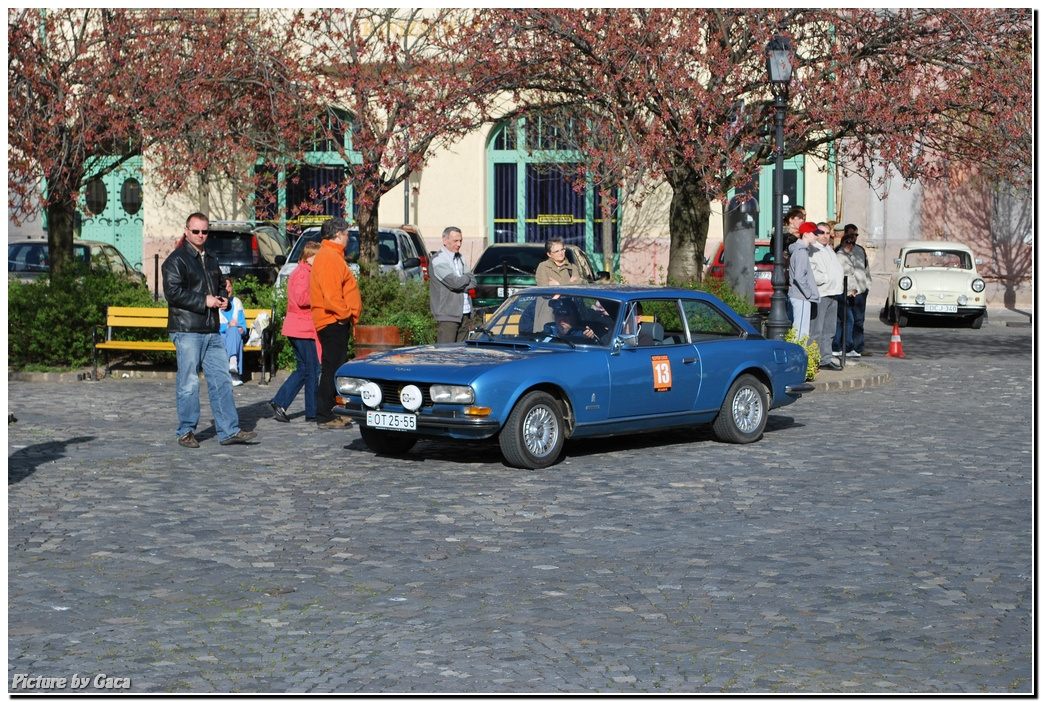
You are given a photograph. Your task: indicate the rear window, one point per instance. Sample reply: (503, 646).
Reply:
(230, 246)
(525, 258)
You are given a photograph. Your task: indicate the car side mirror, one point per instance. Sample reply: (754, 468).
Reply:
(979, 261)
(411, 263)
(603, 275)
(280, 260)
(627, 341)
(896, 260)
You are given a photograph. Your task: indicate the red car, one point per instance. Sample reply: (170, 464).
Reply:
(764, 270)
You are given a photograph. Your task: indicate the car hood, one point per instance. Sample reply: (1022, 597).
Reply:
(940, 279)
(443, 363)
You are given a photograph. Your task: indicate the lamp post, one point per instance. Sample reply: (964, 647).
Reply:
(779, 67)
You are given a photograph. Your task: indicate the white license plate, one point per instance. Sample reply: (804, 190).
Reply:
(764, 275)
(941, 308)
(509, 291)
(397, 421)
(225, 270)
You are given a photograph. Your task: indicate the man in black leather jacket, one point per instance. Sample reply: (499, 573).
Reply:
(193, 290)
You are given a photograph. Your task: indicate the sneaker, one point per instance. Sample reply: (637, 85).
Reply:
(338, 423)
(188, 440)
(280, 414)
(240, 438)
(852, 354)
(235, 380)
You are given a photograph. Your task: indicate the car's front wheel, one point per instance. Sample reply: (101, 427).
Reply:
(742, 418)
(387, 443)
(533, 435)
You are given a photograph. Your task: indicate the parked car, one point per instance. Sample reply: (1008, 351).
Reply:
(764, 270)
(28, 260)
(397, 254)
(937, 279)
(634, 359)
(419, 244)
(246, 248)
(504, 269)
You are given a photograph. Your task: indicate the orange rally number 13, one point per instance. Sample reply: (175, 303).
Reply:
(662, 373)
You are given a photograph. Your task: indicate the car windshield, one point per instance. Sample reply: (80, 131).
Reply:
(29, 257)
(553, 318)
(938, 259)
(388, 246)
(519, 259)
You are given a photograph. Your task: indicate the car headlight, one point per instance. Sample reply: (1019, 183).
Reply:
(919, 299)
(452, 394)
(978, 285)
(905, 283)
(349, 386)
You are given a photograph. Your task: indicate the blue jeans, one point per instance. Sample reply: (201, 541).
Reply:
(844, 321)
(205, 351)
(233, 347)
(305, 376)
(859, 311)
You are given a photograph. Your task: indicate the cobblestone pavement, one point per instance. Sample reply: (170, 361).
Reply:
(877, 540)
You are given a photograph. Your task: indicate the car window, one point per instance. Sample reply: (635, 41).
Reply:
(388, 249)
(27, 257)
(585, 269)
(707, 321)
(531, 317)
(938, 259)
(641, 317)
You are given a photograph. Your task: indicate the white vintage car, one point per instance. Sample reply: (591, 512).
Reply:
(937, 279)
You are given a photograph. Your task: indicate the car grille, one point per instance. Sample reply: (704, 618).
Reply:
(392, 391)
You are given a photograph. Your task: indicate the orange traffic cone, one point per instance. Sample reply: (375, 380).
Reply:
(896, 348)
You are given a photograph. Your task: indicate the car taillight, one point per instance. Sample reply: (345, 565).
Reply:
(423, 266)
(472, 292)
(256, 250)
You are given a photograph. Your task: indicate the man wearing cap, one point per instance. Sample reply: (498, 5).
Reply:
(827, 272)
(802, 288)
(855, 264)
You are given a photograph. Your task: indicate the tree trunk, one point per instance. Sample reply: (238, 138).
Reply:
(61, 214)
(606, 215)
(368, 233)
(689, 214)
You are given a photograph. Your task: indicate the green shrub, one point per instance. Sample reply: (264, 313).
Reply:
(812, 352)
(50, 322)
(386, 300)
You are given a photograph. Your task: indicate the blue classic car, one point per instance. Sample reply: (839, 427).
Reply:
(553, 363)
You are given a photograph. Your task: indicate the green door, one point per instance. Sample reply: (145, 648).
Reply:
(110, 210)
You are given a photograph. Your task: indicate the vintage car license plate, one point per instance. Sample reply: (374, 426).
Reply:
(941, 308)
(397, 421)
(509, 291)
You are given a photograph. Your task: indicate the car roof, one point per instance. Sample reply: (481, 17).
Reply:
(935, 246)
(620, 292)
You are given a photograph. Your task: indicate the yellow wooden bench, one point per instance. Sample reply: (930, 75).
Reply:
(155, 318)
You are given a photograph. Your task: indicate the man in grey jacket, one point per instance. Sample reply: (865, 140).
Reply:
(193, 290)
(802, 288)
(827, 272)
(450, 280)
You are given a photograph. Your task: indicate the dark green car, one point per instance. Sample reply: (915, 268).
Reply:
(503, 269)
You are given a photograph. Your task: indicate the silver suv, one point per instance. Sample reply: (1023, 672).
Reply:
(397, 254)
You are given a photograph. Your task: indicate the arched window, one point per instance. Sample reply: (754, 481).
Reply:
(532, 169)
(305, 193)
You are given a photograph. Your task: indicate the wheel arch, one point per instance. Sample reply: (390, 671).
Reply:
(558, 393)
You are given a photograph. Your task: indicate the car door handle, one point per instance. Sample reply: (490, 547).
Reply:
(688, 361)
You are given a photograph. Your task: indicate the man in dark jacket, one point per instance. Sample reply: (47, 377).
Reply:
(193, 290)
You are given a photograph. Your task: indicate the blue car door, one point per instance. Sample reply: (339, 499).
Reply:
(661, 375)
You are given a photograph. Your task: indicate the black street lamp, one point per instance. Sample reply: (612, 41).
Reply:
(779, 67)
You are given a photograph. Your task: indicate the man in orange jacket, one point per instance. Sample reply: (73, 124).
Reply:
(335, 305)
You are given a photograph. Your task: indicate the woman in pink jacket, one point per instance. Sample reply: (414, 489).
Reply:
(298, 327)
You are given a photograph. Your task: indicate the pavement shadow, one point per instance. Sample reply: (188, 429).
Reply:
(488, 451)
(22, 463)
